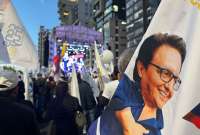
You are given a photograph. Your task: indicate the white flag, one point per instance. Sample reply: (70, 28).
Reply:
(87, 77)
(4, 58)
(103, 76)
(180, 17)
(19, 45)
(102, 70)
(74, 85)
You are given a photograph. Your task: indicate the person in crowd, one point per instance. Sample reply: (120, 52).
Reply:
(39, 96)
(117, 74)
(21, 88)
(136, 107)
(15, 97)
(50, 90)
(62, 110)
(123, 62)
(88, 102)
(15, 118)
(105, 95)
(34, 89)
(88, 78)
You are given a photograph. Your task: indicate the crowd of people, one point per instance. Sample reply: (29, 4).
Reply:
(53, 102)
(53, 110)
(53, 107)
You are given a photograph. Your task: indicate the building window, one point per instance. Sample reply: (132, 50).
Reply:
(108, 10)
(108, 3)
(116, 31)
(108, 17)
(86, 14)
(116, 38)
(116, 54)
(115, 8)
(123, 30)
(123, 38)
(97, 6)
(116, 46)
(123, 45)
(116, 22)
(129, 11)
(116, 60)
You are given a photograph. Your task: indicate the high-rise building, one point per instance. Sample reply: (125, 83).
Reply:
(68, 11)
(85, 13)
(117, 42)
(139, 14)
(43, 46)
(110, 18)
(78, 12)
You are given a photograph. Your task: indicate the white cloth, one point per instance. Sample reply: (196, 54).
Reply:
(74, 85)
(4, 58)
(109, 89)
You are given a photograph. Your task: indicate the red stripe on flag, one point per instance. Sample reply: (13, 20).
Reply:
(195, 119)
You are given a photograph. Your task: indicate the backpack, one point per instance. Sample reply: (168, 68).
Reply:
(80, 119)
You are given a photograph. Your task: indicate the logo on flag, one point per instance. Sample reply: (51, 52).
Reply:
(14, 35)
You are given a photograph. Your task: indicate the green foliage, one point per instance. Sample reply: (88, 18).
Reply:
(12, 69)
(20, 72)
(9, 69)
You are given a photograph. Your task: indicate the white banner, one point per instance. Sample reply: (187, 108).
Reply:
(180, 17)
(74, 85)
(4, 58)
(19, 45)
(99, 64)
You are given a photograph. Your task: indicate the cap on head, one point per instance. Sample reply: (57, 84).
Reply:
(8, 79)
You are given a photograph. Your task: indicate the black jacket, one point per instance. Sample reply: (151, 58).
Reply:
(16, 119)
(86, 95)
(62, 110)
